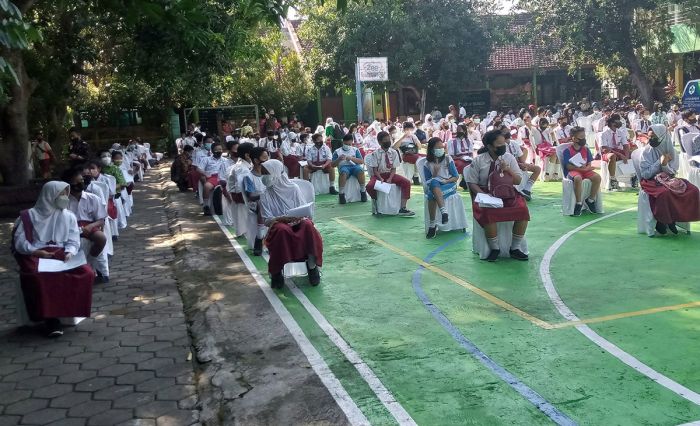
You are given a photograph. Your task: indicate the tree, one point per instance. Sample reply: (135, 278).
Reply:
(627, 38)
(437, 45)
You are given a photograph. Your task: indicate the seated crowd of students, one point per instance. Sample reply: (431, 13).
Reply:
(77, 221)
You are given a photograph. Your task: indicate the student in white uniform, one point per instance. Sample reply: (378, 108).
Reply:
(531, 170)
(349, 162)
(213, 171)
(382, 165)
(563, 130)
(254, 187)
(614, 146)
(690, 124)
(441, 177)
(320, 157)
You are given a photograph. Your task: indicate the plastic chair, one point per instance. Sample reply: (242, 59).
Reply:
(321, 182)
(352, 190)
(685, 170)
(307, 192)
(568, 198)
(454, 203)
(299, 269)
(251, 223)
(408, 170)
(387, 204)
(505, 237)
(646, 223)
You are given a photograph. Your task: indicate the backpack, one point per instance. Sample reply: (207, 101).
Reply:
(337, 132)
(500, 184)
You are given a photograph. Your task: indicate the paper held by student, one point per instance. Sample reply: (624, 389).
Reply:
(577, 160)
(488, 201)
(384, 187)
(305, 210)
(54, 265)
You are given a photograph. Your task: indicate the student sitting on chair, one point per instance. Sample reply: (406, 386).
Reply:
(349, 162)
(382, 166)
(441, 178)
(288, 239)
(254, 187)
(319, 157)
(614, 145)
(578, 173)
(494, 162)
(410, 146)
(50, 231)
(514, 148)
(671, 199)
(696, 151)
(213, 172)
(461, 149)
(290, 158)
(545, 147)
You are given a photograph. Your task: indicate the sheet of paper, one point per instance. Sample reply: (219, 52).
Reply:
(577, 160)
(626, 169)
(303, 163)
(382, 187)
(695, 158)
(305, 210)
(53, 265)
(488, 200)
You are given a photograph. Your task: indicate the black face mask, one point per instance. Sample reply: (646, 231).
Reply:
(318, 145)
(581, 142)
(654, 141)
(385, 145)
(77, 187)
(461, 135)
(501, 150)
(87, 179)
(544, 127)
(216, 154)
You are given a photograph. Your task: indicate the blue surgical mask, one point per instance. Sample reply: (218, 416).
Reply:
(207, 146)
(439, 152)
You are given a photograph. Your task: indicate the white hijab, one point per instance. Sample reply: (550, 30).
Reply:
(282, 195)
(50, 223)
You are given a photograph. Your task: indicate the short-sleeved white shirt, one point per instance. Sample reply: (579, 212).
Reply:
(318, 155)
(479, 170)
(88, 208)
(607, 140)
(378, 160)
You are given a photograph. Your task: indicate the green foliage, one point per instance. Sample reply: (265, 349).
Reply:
(15, 33)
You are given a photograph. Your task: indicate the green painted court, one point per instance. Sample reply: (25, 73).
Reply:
(456, 340)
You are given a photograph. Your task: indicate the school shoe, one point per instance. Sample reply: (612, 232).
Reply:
(403, 212)
(672, 227)
(518, 255)
(432, 232)
(661, 228)
(375, 212)
(416, 181)
(332, 190)
(277, 280)
(206, 210)
(115, 238)
(54, 328)
(493, 255)
(101, 279)
(445, 218)
(463, 185)
(526, 194)
(216, 201)
(633, 181)
(257, 247)
(341, 199)
(591, 206)
(363, 197)
(314, 277)
(614, 184)
(577, 210)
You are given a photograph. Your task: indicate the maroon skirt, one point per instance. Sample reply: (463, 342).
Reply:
(293, 243)
(513, 210)
(411, 158)
(669, 207)
(55, 294)
(292, 163)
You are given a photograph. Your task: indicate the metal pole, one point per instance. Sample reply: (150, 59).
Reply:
(358, 92)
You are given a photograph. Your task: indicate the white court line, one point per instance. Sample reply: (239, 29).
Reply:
(611, 348)
(695, 423)
(384, 395)
(336, 389)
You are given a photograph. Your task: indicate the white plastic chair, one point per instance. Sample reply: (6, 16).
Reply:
(505, 237)
(99, 263)
(251, 224)
(299, 269)
(568, 198)
(307, 191)
(321, 182)
(455, 206)
(388, 204)
(685, 170)
(352, 190)
(408, 170)
(646, 223)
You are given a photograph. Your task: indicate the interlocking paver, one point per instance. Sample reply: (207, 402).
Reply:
(131, 352)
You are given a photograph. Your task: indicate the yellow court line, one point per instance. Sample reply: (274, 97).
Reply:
(627, 315)
(474, 289)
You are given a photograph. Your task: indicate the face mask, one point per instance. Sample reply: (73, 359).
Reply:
(386, 145)
(61, 202)
(87, 179)
(106, 161)
(207, 146)
(477, 120)
(78, 187)
(654, 141)
(276, 137)
(461, 135)
(439, 152)
(267, 180)
(118, 162)
(318, 145)
(346, 147)
(217, 154)
(501, 150)
(582, 142)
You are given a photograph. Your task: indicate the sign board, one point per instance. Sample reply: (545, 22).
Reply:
(476, 102)
(691, 95)
(372, 69)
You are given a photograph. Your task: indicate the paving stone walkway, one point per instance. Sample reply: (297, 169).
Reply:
(129, 364)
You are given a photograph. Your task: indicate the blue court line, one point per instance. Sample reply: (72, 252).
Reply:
(531, 395)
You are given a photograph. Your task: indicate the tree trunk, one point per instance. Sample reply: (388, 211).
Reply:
(14, 150)
(629, 58)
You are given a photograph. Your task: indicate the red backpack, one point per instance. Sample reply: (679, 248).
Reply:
(500, 184)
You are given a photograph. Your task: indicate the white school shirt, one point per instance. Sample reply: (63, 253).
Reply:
(377, 160)
(234, 180)
(514, 148)
(353, 152)
(641, 125)
(125, 167)
(88, 208)
(271, 147)
(189, 140)
(688, 128)
(286, 148)
(318, 155)
(479, 170)
(606, 138)
(673, 118)
(530, 133)
(264, 142)
(199, 155)
(459, 148)
(211, 166)
(70, 246)
(564, 133)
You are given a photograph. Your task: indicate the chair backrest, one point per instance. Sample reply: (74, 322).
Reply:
(307, 190)
(560, 155)
(687, 142)
(420, 166)
(636, 161)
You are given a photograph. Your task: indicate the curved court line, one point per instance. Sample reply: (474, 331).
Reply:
(319, 365)
(605, 344)
(528, 393)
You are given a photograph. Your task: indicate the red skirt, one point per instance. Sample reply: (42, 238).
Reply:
(411, 158)
(292, 163)
(193, 178)
(513, 210)
(546, 150)
(295, 243)
(55, 294)
(111, 208)
(461, 165)
(669, 207)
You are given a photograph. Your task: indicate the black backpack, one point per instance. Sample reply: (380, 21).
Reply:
(338, 132)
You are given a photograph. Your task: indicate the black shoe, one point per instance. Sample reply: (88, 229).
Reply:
(314, 277)
(416, 181)
(518, 255)
(406, 213)
(672, 227)
(634, 181)
(277, 281)
(463, 185)
(207, 211)
(115, 238)
(591, 206)
(432, 232)
(445, 218)
(54, 328)
(341, 199)
(661, 228)
(101, 279)
(363, 197)
(216, 202)
(493, 255)
(577, 209)
(526, 194)
(257, 247)
(614, 184)
(332, 191)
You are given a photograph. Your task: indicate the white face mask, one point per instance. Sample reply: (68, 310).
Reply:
(439, 152)
(106, 161)
(61, 202)
(267, 180)
(346, 147)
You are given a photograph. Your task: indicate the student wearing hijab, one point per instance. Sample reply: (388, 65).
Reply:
(50, 231)
(441, 178)
(288, 239)
(671, 199)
